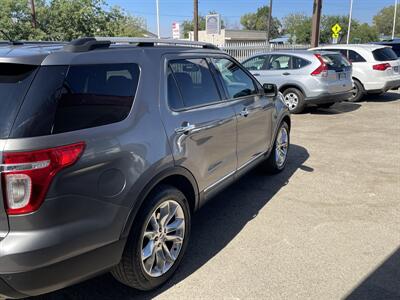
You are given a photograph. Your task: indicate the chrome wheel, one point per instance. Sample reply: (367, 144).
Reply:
(163, 238)
(291, 100)
(281, 148)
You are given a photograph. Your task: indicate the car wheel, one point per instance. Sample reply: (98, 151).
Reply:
(277, 159)
(294, 100)
(157, 241)
(326, 105)
(358, 92)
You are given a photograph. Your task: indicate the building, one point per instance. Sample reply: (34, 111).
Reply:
(231, 36)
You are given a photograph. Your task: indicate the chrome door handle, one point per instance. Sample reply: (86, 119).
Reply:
(244, 112)
(185, 129)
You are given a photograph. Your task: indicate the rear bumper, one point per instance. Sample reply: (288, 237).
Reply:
(379, 87)
(62, 274)
(329, 98)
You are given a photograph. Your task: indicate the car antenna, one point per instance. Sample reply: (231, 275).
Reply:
(9, 38)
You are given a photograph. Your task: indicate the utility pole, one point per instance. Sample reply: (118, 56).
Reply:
(196, 20)
(33, 13)
(158, 18)
(394, 18)
(349, 27)
(316, 20)
(269, 21)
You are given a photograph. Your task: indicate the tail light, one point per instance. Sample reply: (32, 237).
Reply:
(381, 67)
(322, 70)
(26, 176)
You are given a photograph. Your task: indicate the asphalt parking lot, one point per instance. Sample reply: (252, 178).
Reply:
(328, 227)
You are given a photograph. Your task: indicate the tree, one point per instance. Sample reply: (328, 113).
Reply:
(188, 25)
(298, 26)
(66, 20)
(384, 20)
(259, 21)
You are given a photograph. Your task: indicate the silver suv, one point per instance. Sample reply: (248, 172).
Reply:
(304, 77)
(108, 147)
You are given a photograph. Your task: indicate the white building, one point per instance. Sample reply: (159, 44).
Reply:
(230, 36)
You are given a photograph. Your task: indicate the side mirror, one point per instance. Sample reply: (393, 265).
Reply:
(270, 89)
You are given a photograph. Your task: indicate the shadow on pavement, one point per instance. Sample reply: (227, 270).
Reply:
(383, 283)
(214, 226)
(337, 108)
(389, 96)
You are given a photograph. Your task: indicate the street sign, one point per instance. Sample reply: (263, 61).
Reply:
(177, 31)
(335, 35)
(213, 24)
(336, 28)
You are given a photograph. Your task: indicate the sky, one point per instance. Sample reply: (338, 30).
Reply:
(231, 10)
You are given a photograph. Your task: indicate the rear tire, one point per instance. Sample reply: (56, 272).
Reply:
(145, 263)
(294, 100)
(277, 159)
(358, 91)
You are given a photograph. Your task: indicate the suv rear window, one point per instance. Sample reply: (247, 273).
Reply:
(15, 80)
(384, 54)
(63, 98)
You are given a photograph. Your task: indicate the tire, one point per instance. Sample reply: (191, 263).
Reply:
(358, 92)
(146, 275)
(272, 165)
(294, 100)
(326, 105)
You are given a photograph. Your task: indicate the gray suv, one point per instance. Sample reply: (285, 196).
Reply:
(107, 149)
(304, 77)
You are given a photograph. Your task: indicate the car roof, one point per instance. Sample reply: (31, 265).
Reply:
(61, 53)
(354, 46)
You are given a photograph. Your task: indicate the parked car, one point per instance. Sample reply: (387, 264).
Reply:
(107, 150)
(303, 77)
(394, 44)
(375, 67)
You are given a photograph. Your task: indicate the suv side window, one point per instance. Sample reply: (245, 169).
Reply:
(280, 62)
(236, 81)
(298, 63)
(68, 98)
(256, 63)
(355, 57)
(195, 83)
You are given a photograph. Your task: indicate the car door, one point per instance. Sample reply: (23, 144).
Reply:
(200, 126)
(253, 110)
(257, 66)
(278, 70)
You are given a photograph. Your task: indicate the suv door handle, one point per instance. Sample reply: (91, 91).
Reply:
(244, 112)
(256, 74)
(286, 73)
(185, 129)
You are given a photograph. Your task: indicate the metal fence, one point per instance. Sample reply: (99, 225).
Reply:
(242, 50)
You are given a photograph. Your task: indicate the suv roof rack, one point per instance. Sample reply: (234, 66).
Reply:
(91, 43)
(142, 42)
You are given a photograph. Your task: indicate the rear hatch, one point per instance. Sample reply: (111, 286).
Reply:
(387, 62)
(15, 80)
(338, 77)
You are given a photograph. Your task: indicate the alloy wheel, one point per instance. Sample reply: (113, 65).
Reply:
(163, 238)
(281, 148)
(291, 100)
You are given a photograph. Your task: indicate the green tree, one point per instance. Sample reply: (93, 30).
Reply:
(259, 21)
(298, 26)
(383, 20)
(66, 20)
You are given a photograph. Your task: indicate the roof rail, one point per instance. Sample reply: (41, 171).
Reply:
(86, 44)
(141, 42)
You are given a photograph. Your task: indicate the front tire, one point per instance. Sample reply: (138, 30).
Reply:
(277, 159)
(157, 241)
(294, 100)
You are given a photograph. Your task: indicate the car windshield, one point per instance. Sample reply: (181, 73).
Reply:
(384, 54)
(15, 80)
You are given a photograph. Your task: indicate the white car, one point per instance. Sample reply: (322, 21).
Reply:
(375, 67)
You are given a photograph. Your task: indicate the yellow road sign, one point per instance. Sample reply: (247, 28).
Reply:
(335, 35)
(336, 28)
